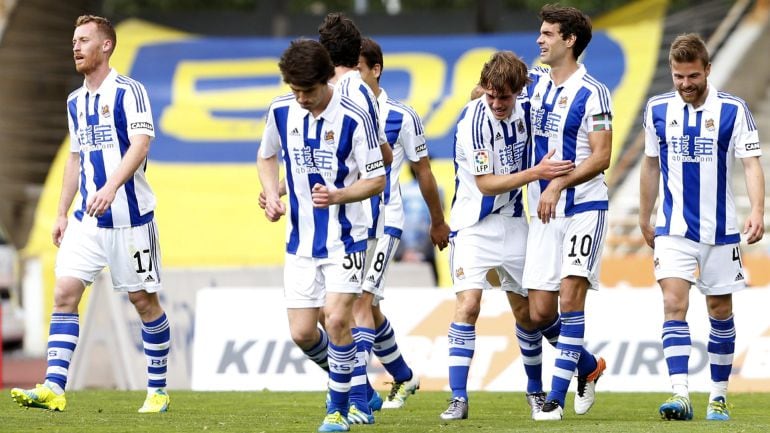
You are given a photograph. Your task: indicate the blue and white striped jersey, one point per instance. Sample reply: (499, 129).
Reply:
(485, 145)
(696, 148)
(562, 117)
(335, 149)
(405, 134)
(353, 86)
(100, 124)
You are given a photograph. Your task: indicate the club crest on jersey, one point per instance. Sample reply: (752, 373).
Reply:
(710, 124)
(481, 160)
(106, 111)
(460, 274)
(329, 137)
(520, 127)
(563, 102)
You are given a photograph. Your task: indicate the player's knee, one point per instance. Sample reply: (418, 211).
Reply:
(467, 310)
(304, 338)
(67, 294)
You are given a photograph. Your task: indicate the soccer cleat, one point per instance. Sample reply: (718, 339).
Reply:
(551, 411)
(458, 409)
(717, 410)
(375, 403)
(586, 388)
(334, 422)
(42, 397)
(357, 416)
(536, 400)
(677, 408)
(400, 391)
(156, 402)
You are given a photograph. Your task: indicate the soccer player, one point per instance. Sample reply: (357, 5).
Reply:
(342, 40)
(404, 132)
(489, 228)
(110, 125)
(571, 115)
(333, 161)
(692, 136)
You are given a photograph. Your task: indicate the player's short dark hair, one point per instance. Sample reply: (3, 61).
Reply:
(341, 38)
(372, 54)
(102, 24)
(306, 63)
(503, 70)
(688, 48)
(571, 21)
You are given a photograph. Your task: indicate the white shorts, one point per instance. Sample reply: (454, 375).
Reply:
(567, 246)
(496, 242)
(379, 255)
(132, 254)
(307, 279)
(720, 266)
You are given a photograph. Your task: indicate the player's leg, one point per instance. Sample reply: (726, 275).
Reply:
(78, 261)
(721, 275)
(405, 381)
(135, 267)
(675, 264)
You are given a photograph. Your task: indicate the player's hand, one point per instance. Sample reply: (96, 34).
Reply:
(321, 195)
(754, 228)
(549, 168)
(439, 235)
(648, 232)
(99, 203)
(262, 200)
(59, 227)
(274, 209)
(549, 200)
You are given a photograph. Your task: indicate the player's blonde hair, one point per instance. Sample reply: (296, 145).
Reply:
(504, 69)
(688, 48)
(103, 25)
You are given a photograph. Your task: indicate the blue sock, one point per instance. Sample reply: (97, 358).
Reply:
(386, 349)
(569, 348)
(156, 338)
(462, 344)
(319, 352)
(721, 349)
(531, 346)
(677, 346)
(587, 362)
(364, 339)
(343, 358)
(62, 339)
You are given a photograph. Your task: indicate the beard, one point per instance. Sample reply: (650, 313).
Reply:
(692, 94)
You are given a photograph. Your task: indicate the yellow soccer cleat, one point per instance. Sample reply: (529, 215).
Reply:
(156, 402)
(42, 397)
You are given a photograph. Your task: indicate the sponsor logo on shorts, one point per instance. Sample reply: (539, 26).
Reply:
(353, 279)
(657, 263)
(739, 277)
(752, 146)
(149, 279)
(374, 166)
(142, 125)
(577, 263)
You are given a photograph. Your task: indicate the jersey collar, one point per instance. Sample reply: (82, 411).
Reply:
(108, 80)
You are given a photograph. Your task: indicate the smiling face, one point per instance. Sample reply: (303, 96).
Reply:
(690, 81)
(90, 48)
(552, 47)
(501, 103)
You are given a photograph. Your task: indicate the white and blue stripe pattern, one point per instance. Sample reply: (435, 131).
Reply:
(462, 345)
(677, 346)
(486, 145)
(62, 340)
(341, 363)
(561, 120)
(156, 340)
(334, 150)
(721, 348)
(531, 347)
(386, 349)
(101, 124)
(570, 347)
(319, 352)
(696, 148)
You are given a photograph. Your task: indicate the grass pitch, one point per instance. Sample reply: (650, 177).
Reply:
(277, 412)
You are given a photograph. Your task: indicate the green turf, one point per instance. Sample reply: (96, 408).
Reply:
(276, 412)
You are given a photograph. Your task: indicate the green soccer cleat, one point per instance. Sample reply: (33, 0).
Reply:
(42, 397)
(334, 422)
(400, 391)
(156, 402)
(717, 410)
(676, 408)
